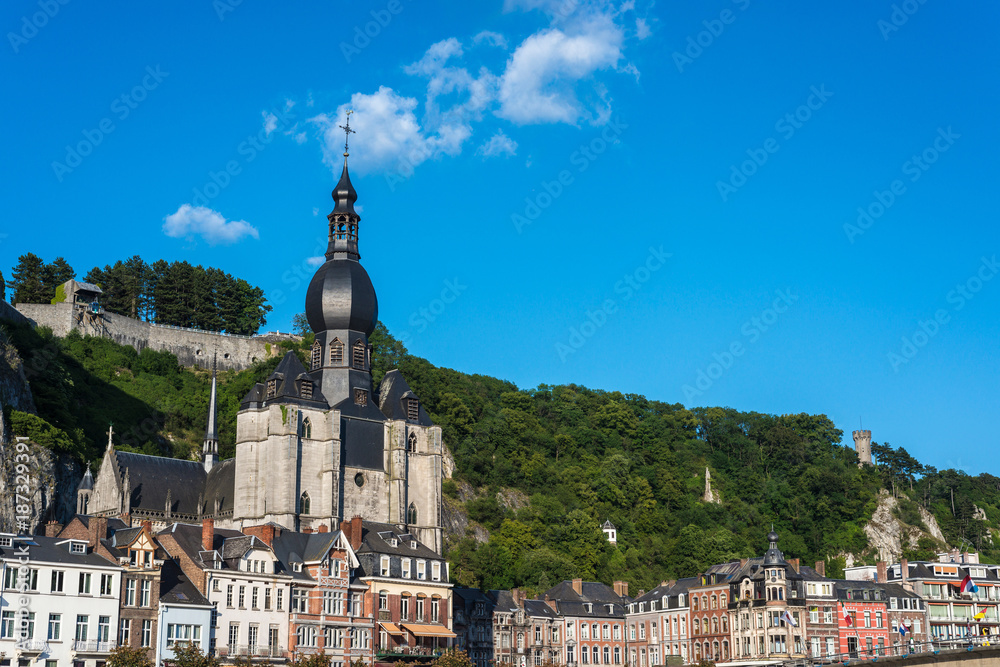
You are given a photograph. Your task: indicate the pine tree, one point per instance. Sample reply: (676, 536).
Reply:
(27, 280)
(56, 273)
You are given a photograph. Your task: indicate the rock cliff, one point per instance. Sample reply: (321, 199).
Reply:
(888, 535)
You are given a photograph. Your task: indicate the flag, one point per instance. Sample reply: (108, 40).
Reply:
(903, 630)
(847, 616)
(980, 616)
(787, 618)
(968, 585)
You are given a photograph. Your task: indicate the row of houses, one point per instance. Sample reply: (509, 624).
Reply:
(367, 591)
(753, 611)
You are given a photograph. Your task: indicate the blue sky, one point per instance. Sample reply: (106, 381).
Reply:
(780, 207)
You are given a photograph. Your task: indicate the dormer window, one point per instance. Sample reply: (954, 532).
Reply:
(360, 397)
(296, 567)
(317, 355)
(77, 547)
(6, 541)
(589, 607)
(272, 388)
(336, 352)
(358, 355)
(306, 389)
(412, 409)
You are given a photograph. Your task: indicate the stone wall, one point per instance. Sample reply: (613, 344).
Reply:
(192, 347)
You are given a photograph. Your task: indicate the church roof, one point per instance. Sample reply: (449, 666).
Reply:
(87, 483)
(221, 485)
(392, 394)
(288, 378)
(152, 477)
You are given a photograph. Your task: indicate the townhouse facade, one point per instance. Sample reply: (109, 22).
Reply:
(822, 625)
(472, 623)
(71, 596)
(867, 632)
(593, 620)
(526, 632)
(709, 628)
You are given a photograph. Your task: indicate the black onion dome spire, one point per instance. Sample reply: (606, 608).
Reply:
(341, 295)
(773, 555)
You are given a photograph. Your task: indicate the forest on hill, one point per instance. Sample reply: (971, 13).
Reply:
(574, 456)
(172, 293)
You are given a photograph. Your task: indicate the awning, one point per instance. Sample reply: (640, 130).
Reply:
(391, 628)
(429, 630)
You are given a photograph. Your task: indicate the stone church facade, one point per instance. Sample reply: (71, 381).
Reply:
(314, 446)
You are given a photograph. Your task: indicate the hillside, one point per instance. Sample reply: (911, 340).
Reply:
(537, 471)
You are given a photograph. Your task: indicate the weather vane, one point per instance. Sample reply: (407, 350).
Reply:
(347, 131)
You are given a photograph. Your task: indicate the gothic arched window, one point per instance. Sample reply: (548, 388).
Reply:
(304, 503)
(305, 430)
(336, 352)
(411, 443)
(411, 514)
(317, 355)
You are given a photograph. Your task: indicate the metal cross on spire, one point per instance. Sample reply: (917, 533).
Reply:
(347, 131)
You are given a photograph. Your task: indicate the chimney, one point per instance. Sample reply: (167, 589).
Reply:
(356, 531)
(744, 561)
(207, 533)
(148, 525)
(904, 570)
(98, 530)
(794, 562)
(265, 533)
(578, 586)
(307, 531)
(323, 529)
(881, 571)
(821, 568)
(126, 519)
(621, 588)
(52, 528)
(552, 604)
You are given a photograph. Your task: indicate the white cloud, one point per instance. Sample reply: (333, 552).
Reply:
(498, 144)
(315, 261)
(642, 29)
(539, 83)
(270, 122)
(300, 138)
(491, 38)
(190, 221)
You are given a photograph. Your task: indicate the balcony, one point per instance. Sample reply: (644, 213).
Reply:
(33, 647)
(94, 647)
(415, 653)
(245, 651)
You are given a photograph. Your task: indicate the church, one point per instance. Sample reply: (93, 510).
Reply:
(314, 446)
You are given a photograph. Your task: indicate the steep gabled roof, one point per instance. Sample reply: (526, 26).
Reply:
(392, 395)
(151, 477)
(288, 378)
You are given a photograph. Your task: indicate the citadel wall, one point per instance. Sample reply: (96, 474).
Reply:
(192, 347)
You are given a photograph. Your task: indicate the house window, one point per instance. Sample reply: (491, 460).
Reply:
(406, 568)
(55, 626)
(337, 352)
(253, 598)
(411, 514)
(404, 607)
(147, 633)
(384, 566)
(307, 635)
(57, 581)
(436, 571)
(421, 568)
(435, 610)
(81, 628)
(105, 584)
(272, 388)
(84, 583)
(243, 597)
(383, 601)
(267, 598)
(145, 589)
(306, 429)
(103, 628)
(234, 636)
(360, 397)
(299, 600)
(304, 503)
(412, 409)
(317, 354)
(280, 600)
(7, 625)
(411, 443)
(229, 596)
(124, 633)
(358, 355)
(420, 608)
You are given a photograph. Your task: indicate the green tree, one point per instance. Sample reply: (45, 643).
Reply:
(189, 654)
(311, 660)
(453, 658)
(126, 656)
(300, 324)
(28, 280)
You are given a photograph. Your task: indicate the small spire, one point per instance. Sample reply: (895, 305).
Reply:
(343, 229)
(347, 131)
(210, 447)
(111, 431)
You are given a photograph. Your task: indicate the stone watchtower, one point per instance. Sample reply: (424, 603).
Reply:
(863, 445)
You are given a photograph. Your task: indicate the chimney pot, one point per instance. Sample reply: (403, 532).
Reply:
(207, 533)
(323, 529)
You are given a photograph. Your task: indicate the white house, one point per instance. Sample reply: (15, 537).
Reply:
(185, 615)
(59, 602)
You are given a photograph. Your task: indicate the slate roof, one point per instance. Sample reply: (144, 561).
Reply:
(52, 550)
(392, 394)
(220, 484)
(188, 537)
(301, 548)
(598, 595)
(152, 476)
(176, 588)
(374, 538)
(289, 375)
